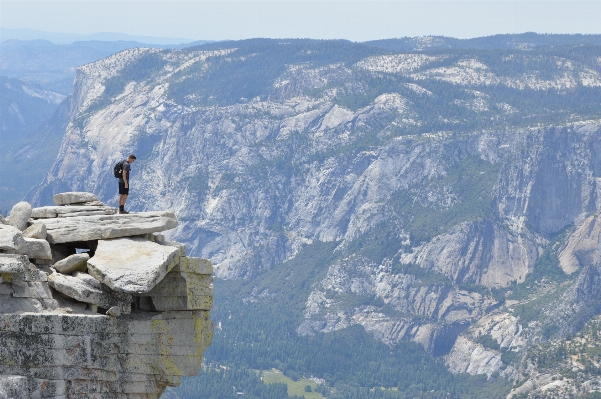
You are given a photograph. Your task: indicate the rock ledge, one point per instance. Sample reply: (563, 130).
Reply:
(102, 307)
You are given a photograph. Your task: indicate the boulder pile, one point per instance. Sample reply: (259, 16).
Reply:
(98, 305)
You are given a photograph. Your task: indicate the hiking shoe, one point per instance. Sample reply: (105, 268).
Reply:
(123, 212)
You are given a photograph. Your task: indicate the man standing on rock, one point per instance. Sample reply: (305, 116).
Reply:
(124, 183)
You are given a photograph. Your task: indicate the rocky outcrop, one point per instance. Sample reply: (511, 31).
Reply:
(479, 350)
(582, 246)
(481, 253)
(87, 356)
(136, 329)
(445, 311)
(472, 358)
(522, 340)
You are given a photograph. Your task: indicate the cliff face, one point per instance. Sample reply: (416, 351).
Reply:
(440, 217)
(546, 341)
(107, 308)
(272, 165)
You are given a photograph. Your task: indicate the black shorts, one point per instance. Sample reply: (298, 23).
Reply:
(122, 189)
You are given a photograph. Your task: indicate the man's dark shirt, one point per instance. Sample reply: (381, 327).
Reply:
(126, 169)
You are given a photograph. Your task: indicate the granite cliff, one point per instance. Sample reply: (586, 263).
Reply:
(95, 304)
(460, 189)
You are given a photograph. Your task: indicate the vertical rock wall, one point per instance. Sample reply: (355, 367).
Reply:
(99, 356)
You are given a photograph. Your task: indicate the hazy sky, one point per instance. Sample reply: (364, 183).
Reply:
(354, 20)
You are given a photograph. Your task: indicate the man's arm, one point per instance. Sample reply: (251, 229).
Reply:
(125, 178)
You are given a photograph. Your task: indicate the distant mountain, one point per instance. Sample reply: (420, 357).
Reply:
(68, 38)
(432, 209)
(392, 224)
(523, 41)
(27, 155)
(52, 65)
(23, 107)
(35, 77)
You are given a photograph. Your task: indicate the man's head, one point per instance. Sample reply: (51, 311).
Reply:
(131, 158)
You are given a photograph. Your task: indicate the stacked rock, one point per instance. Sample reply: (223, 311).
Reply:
(96, 304)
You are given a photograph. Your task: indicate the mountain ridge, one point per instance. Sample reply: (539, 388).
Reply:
(67, 38)
(441, 181)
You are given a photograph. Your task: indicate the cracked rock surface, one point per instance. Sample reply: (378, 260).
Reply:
(132, 265)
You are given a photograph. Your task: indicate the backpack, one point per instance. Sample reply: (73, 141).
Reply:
(118, 169)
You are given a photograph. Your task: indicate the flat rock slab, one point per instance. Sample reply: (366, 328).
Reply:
(74, 197)
(47, 212)
(72, 263)
(85, 288)
(132, 265)
(13, 263)
(101, 227)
